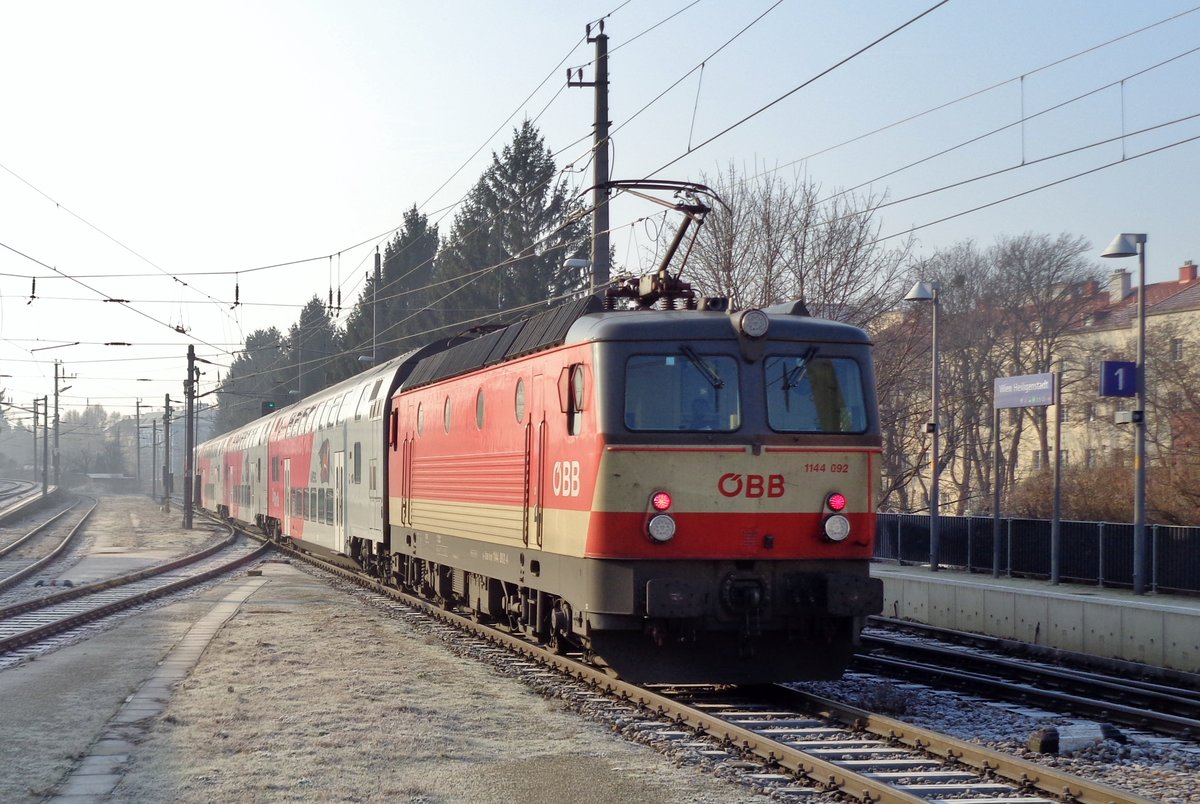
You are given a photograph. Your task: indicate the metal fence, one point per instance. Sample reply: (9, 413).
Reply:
(1099, 553)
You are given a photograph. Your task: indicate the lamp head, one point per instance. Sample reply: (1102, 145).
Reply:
(922, 291)
(1125, 245)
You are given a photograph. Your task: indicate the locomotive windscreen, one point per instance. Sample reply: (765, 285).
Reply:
(684, 391)
(810, 394)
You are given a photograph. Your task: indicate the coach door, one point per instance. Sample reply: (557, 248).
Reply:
(287, 496)
(339, 517)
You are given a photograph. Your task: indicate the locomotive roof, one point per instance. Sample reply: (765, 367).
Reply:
(659, 325)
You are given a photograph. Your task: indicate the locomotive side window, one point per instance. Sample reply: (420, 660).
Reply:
(573, 395)
(519, 402)
(811, 394)
(446, 410)
(479, 409)
(420, 419)
(682, 392)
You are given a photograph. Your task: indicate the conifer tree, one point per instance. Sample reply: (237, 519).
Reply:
(508, 242)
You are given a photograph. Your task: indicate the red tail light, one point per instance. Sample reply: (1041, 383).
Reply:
(661, 501)
(836, 501)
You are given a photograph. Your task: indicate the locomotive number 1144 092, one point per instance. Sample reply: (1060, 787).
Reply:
(831, 468)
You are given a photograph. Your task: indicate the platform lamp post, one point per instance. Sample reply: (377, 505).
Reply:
(928, 292)
(1129, 245)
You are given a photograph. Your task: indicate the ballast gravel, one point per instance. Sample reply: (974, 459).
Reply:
(1156, 768)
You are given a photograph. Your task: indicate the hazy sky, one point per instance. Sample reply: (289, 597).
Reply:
(164, 139)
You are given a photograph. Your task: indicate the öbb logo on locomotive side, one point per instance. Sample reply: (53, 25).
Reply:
(566, 478)
(752, 486)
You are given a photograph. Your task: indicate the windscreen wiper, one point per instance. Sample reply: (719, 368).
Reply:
(792, 378)
(713, 378)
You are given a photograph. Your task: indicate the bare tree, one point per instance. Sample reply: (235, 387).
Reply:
(1041, 293)
(779, 240)
(1012, 309)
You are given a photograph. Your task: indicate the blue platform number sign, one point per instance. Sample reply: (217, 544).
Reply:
(1118, 378)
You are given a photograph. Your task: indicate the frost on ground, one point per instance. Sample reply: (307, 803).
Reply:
(308, 695)
(53, 706)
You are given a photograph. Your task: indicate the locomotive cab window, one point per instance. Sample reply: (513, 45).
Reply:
(683, 391)
(807, 393)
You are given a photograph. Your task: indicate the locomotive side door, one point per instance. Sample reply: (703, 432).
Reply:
(532, 397)
(538, 462)
(287, 496)
(339, 519)
(406, 462)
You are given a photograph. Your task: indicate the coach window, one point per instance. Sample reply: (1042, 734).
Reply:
(357, 461)
(358, 407)
(812, 394)
(684, 391)
(519, 402)
(446, 414)
(479, 409)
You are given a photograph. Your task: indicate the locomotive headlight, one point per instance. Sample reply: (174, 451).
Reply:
(661, 528)
(754, 323)
(837, 528)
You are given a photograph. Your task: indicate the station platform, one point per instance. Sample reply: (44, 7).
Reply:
(1158, 630)
(16, 508)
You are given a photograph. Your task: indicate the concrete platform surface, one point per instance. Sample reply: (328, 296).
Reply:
(1159, 630)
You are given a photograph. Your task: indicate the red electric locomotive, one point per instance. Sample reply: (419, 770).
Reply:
(683, 495)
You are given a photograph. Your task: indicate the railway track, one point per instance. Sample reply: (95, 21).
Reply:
(16, 568)
(792, 742)
(28, 628)
(1170, 706)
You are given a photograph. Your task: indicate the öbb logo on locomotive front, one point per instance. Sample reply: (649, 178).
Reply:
(752, 486)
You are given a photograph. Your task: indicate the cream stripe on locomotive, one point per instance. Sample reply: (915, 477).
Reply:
(562, 531)
(733, 480)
